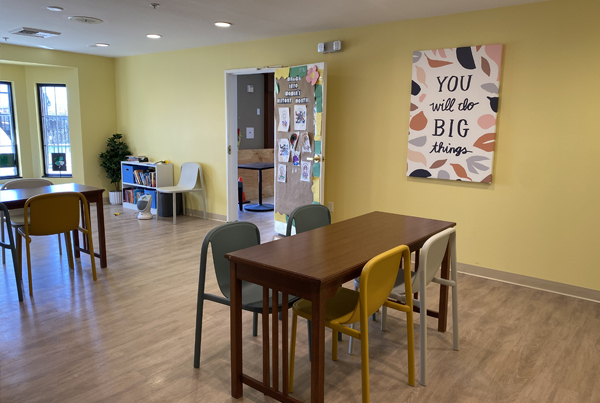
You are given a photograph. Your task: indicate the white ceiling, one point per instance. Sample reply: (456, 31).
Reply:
(190, 23)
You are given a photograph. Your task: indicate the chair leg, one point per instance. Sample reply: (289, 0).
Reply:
(204, 202)
(383, 317)
(69, 247)
(29, 268)
(19, 248)
(351, 340)
(255, 324)
(198, 341)
(183, 203)
(364, 359)
(2, 237)
(59, 246)
(423, 334)
(92, 257)
(293, 351)
(334, 345)
(174, 208)
(455, 315)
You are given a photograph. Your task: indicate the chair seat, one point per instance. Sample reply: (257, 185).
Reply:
(177, 189)
(339, 308)
(400, 288)
(17, 220)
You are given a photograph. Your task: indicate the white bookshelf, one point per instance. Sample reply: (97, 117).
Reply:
(164, 177)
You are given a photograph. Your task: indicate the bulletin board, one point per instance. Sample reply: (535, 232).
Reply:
(453, 113)
(298, 136)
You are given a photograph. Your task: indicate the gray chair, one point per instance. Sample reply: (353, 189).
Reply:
(13, 250)
(308, 217)
(227, 238)
(17, 214)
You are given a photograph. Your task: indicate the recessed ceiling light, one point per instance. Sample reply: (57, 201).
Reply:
(154, 36)
(54, 8)
(223, 24)
(102, 45)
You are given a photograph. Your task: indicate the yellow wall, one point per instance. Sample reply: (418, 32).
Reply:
(90, 84)
(539, 218)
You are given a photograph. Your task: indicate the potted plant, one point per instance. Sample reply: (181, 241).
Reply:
(116, 151)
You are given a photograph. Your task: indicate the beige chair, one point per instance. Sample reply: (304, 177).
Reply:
(54, 213)
(191, 180)
(16, 215)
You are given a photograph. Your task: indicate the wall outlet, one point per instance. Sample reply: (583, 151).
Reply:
(258, 112)
(330, 206)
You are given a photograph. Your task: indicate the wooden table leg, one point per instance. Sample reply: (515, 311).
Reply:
(265, 336)
(101, 233)
(76, 251)
(443, 310)
(236, 332)
(317, 378)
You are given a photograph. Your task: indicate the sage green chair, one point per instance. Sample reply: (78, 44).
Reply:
(308, 217)
(224, 239)
(13, 250)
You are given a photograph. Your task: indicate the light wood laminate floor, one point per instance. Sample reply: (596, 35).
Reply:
(129, 337)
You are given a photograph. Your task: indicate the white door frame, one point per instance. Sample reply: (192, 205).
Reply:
(231, 135)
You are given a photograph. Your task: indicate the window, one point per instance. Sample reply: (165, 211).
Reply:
(8, 134)
(54, 119)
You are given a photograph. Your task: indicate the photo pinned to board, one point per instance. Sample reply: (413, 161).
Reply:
(305, 142)
(305, 173)
(284, 150)
(295, 159)
(294, 140)
(299, 117)
(281, 173)
(284, 120)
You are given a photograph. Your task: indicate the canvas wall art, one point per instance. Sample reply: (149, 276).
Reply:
(453, 113)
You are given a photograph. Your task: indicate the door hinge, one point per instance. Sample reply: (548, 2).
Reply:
(229, 150)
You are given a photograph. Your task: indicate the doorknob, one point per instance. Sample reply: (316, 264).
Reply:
(317, 158)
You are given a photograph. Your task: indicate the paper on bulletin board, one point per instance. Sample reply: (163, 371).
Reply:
(284, 120)
(284, 150)
(305, 173)
(281, 173)
(299, 117)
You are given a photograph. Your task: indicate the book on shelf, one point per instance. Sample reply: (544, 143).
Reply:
(144, 177)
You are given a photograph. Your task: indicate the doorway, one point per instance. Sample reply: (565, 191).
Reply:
(250, 138)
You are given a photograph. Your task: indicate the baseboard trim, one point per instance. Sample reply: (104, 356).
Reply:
(200, 214)
(530, 282)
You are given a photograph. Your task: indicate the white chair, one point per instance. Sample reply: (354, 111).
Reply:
(191, 177)
(17, 215)
(431, 257)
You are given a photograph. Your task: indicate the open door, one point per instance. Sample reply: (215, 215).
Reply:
(300, 94)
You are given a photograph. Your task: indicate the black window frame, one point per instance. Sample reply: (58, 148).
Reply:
(43, 144)
(14, 131)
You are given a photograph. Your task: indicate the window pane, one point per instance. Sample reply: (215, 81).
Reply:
(56, 141)
(8, 143)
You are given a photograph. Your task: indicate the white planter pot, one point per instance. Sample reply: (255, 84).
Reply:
(115, 197)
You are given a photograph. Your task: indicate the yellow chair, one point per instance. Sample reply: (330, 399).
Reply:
(349, 306)
(50, 214)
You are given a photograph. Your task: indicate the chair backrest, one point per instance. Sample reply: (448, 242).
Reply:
(191, 175)
(307, 218)
(432, 254)
(26, 183)
(227, 238)
(377, 280)
(52, 213)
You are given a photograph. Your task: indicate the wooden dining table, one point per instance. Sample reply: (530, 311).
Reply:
(16, 198)
(312, 265)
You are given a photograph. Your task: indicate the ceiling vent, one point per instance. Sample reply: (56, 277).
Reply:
(34, 32)
(86, 20)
